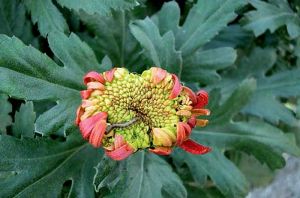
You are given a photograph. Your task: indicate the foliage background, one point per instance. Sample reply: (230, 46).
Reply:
(245, 53)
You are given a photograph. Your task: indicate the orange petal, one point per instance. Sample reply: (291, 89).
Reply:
(87, 125)
(161, 150)
(200, 112)
(79, 113)
(190, 94)
(157, 75)
(202, 99)
(85, 94)
(96, 85)
(201, 123)
(186, 113)
(120, 153)
(93, 76)
(177, 87)
(109, 75)
(97, 134)
(194, 148)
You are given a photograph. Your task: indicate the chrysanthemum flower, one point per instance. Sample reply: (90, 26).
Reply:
(124, 112)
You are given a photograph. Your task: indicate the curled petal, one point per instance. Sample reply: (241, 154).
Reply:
(86, 126)
(109, 75)
(157, 75)
(85, 94)
(192, 121)
(161, 150)
(177, 87)
(93, 76)
(97, 134)
(95, 85)
(201, 123)
(120, 153)
(86, 103)
(119, 141)
(187, 128)
(190, 94)
(194, 148)
(79, 113)
(202, 99)
(200, 112)
(163, 137)
(181, 135)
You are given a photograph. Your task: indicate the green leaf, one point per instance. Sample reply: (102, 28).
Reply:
(31, 75)
(225, 175)
(271, 16)
(100, 7)
(42, 173)
(264, 102)
(203, 65)
(24, 121)
(159, 49)
(47, 16)
(113, 39)
(13, 20)
(147, 175)
(203, 22)
(5, 109)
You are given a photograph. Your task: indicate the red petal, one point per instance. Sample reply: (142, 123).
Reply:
(85, 94)
(98, 133)
(181, 135)
(192, 121)
(95, 85)
(194, 148)
(109, 75)
(191, 95)
(187, 129)
(202, 99)
(79, 113)
(93, 76)
(176, 87)
(120, 153)
(158, 74)
(87, 125)
(161, 150)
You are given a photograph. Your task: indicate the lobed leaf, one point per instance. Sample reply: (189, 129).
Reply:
(47, 16)
(271, 16)
(43, 173)
(23, 125)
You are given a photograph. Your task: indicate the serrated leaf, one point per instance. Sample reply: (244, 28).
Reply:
(196, 31)
(113, 39)
(31, 75)
(5, 109)
(103, 7)
(42, 173)
(24, 121)
(265, 101)
(203, 65)
(13, 20)
(147, 175)
(47, 16)
(159, 49)
(271, 16)
(225, 175)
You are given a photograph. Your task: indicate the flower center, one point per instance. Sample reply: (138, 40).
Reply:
(140, 105)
